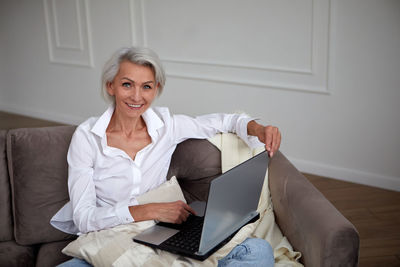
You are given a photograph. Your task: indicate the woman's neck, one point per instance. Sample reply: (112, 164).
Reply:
(125, 125)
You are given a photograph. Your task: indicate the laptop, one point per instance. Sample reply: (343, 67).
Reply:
(232, 203)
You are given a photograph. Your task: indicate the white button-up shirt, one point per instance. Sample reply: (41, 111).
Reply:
(104, 181)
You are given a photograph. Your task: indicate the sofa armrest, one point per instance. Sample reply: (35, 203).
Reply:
(310, 222)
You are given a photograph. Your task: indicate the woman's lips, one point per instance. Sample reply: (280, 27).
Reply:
(134, 106)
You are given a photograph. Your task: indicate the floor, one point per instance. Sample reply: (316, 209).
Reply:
(374, 212)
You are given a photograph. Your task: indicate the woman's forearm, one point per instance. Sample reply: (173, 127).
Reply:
(253, 128)
(172, 212)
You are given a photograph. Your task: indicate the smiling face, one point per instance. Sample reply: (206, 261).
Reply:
(134, 88)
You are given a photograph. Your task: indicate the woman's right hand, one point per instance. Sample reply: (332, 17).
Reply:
(170, 212)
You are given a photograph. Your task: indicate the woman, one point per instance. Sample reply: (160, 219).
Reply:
(127, 151)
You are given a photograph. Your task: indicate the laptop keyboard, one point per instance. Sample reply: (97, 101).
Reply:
(188, 238)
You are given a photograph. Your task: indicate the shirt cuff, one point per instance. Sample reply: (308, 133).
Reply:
(124, 214)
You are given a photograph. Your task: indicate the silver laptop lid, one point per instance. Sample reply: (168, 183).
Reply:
(233, 200)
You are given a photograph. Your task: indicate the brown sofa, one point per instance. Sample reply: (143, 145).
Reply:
(33, 186)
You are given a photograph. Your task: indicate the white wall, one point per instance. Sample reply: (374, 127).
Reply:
(326, 72)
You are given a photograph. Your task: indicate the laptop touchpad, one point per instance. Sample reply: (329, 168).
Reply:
(156, 234)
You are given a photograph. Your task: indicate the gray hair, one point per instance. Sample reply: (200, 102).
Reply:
(137, 55)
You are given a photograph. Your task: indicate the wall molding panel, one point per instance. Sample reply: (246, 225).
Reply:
(74, 44)
(69, 32)
(292, 53)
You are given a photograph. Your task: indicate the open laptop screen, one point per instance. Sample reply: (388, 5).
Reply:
(233, 200)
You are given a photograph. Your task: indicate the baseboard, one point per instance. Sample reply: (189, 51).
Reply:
(42, 114)
(349, 175)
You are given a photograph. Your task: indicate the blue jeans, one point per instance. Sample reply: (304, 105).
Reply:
(75, 263)
(252, 252)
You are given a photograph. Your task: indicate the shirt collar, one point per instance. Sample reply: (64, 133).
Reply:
(153, 122)
(101, 124)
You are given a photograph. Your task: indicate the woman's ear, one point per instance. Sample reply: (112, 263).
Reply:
(110, 88)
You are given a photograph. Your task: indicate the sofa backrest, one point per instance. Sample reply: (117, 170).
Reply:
(6, 230)
(37, 165)
(195, 163)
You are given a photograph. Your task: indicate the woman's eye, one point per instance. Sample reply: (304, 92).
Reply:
(146, 86)
(128, 85)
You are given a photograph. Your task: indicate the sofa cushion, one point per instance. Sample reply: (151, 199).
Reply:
(37, 163)
(195, 163)
(5, 195)
(12, 254)
(50, 254)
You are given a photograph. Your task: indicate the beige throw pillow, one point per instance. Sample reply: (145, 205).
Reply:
(167, 192)
(89, 245)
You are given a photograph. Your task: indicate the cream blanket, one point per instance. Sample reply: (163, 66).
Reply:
(114, 247)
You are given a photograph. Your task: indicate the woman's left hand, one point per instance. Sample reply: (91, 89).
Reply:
(269, 135)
